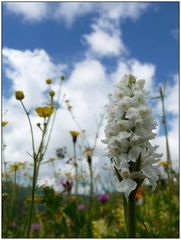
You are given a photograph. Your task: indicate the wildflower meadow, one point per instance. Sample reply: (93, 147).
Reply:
(82, 160)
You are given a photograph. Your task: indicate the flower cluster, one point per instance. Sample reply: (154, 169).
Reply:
(129, 128)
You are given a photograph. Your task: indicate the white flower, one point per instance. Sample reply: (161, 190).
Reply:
(127, 184)
(129, 128)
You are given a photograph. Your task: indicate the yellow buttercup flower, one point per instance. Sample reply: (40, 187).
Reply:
(4, 123)
(48, 81)
(74, 135)
(164, 163)
(19, 95)
(44, 111)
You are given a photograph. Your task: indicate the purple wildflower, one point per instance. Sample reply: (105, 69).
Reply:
(67, 185)
(103, 197)
(81, 207)
(35, 226)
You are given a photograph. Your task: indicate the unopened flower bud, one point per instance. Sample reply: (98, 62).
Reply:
(52, 93)
(19, 95)
(48, 81)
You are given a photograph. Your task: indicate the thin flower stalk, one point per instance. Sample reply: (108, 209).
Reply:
(76, 168)
(89, 153)
(54, 117)
(164, 121)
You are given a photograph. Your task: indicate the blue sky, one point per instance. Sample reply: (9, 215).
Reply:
(94, 45)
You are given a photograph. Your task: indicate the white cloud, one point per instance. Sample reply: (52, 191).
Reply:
(123, 10)
(103, 43)
(71, 11)
(87, 88)
(29, 11)
(28, 70)
(105, 39)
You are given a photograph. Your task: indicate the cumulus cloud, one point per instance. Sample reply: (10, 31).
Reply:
(105, 39)
(29, 11)
(104, 43)
(71, 11)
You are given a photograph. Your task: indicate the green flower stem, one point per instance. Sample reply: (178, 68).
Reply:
(125, 212)
(76, 169)
(130, 214)
(53, 120)
(91, 183)
(32, 200)
(8, 219)
(12, 204)
(31, 128)
(37, 161)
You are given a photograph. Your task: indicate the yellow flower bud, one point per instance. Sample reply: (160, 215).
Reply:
(48, 81)
(52, 159)
(19, 95)
(44, 111)
(51, 93)
(4, 123)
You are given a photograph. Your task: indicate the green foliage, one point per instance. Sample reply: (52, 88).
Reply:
(59, 216)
